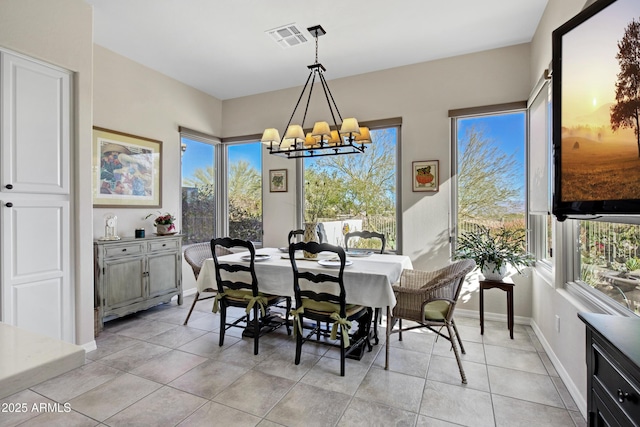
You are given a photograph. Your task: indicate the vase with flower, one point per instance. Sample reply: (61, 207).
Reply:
(164, 223)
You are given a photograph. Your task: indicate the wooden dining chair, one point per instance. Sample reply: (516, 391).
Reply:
(322, 297)
(238, 287)
(369, 235)
(300, 232)
(294, 234)
(364, 234)
(429, 299)
(195, 255)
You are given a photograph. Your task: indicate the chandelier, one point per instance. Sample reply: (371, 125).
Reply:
(323, 140)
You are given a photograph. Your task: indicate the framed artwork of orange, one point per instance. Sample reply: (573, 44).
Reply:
(425, 175)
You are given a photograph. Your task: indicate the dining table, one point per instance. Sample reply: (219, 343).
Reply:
(368, 279)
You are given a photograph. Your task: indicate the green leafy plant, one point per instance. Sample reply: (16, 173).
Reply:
(632, 264)
(500, 246)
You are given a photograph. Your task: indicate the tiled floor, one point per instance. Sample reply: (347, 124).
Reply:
(149, 370)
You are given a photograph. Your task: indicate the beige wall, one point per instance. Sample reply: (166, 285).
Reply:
(421, 94)
(565, 347)
(61, 33)
(131, 98)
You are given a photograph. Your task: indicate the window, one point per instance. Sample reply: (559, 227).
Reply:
(198, 189)
(244, 191)
(355, 191)
(489, 153)
(608, 262)
(539, 176)
(221, 188)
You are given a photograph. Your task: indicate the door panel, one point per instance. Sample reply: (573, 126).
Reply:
(35, 126)
(35, 252)
(32, 313)
(124, 281)
(163, 270)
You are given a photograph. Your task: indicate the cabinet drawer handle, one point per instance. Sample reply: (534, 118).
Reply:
(9, 205)
(622, 396)
(9, 187)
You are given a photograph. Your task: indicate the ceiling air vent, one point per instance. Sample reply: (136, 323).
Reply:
(287, 36)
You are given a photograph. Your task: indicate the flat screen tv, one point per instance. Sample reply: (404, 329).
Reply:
(596, 109)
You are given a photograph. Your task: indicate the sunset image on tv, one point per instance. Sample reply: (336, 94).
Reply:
(600, 143)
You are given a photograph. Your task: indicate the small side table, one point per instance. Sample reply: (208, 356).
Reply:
(506, 285)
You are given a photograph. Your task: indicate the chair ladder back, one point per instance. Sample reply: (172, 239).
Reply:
(227, 243)
(294, 233)
(317, 278)
(365, 234)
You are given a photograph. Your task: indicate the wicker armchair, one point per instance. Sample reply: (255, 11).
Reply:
(195, 256)
(429, 298)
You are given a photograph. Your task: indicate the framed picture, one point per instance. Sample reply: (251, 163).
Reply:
(278, 181)
(425, 175)
(127, 170)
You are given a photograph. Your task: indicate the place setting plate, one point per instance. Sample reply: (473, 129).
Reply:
(359, 254)
(259, 257)
(333, 263)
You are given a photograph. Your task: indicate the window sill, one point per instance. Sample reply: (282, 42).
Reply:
(595, 301)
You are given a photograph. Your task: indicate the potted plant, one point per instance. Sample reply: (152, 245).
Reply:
(493, 250)
(164, 223)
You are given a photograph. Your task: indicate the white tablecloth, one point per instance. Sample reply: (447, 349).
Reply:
(367, 281)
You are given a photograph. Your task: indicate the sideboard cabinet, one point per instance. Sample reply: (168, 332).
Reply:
(613, 373)
(136, 274)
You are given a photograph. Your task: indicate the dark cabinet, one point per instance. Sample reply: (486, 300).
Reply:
(613, 380)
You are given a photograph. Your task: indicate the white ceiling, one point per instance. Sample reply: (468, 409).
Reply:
(221, 48)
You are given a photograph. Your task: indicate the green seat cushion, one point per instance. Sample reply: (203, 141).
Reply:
(323, 306)
(436, 310)
(238, 293)
(243, 295)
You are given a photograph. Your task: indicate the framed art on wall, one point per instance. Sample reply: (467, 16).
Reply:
(127, 170)
(425, 175)
(278, 181)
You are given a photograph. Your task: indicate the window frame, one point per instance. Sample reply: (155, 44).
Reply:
(539, 218)
(226, 144)
(217, 164)
(395, 122)
(221, 172)
(463, 113)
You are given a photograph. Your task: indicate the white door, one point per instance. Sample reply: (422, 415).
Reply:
(35, 261)
(35, 198)
(35, 127)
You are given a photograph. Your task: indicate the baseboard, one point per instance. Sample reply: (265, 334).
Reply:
(90, 346)
(571, 386)
(188, 292)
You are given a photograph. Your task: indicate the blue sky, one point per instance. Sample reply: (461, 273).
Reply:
(507, 131)
(200, 155)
